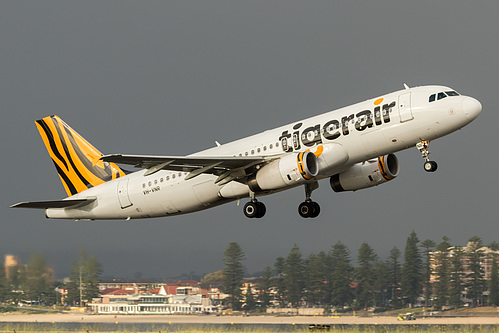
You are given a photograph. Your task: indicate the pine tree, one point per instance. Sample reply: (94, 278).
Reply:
(428, 246)
(233, 274)
(365, 275)
(381, 284)
(250, 303)
(442, 273)
(36, 281)
(411, 270)
(494, 284)
(341, 276)
(317, 276)
(279, 265)
(16, 281)
(475, 278)
(494, 246)
(265, 285)
(455, 277)
(293, 278)
(394, 276)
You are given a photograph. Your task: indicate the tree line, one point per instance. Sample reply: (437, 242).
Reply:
(331, 280)
(35, 283)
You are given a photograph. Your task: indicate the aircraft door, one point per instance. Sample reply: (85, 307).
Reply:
(123, 193)
(405, 110)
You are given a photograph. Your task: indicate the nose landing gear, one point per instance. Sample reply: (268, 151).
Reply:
(429, 166)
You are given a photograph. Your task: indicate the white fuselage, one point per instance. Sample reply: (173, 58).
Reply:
(362, 131)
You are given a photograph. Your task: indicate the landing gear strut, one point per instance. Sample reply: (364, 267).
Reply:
(309, 208)
(254, 208)
(429, 166)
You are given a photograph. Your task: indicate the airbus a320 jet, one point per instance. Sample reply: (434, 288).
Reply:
(353, 146)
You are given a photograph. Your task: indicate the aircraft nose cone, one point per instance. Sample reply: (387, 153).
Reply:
(471, 108)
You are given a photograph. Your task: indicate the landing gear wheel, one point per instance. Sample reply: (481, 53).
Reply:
(316, 209)
(430, 166)
(250, 209)
(254, 209)
(305, 209)
(261, 210)
(309, 209)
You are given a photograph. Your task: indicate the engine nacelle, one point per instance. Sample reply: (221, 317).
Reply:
(366, 174)
(290, 170)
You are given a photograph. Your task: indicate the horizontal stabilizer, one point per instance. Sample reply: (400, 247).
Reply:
(53, 203)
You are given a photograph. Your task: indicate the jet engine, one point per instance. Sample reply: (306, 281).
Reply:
(366, 174)
(293, 169)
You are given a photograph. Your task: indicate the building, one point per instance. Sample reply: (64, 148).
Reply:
(163, 300)
(11, 262)
(485, 266)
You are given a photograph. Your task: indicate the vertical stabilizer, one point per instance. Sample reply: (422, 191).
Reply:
(76, 160)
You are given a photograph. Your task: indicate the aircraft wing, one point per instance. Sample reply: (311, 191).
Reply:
(53, 203)
(226, 167)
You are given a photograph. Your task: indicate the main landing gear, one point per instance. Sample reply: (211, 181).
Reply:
(429, 166)
(309, 208)
(254, 208)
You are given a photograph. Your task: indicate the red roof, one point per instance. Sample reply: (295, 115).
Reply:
(170, 290)
(114, 291)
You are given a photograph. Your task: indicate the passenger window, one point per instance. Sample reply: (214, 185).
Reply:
(432, 98)
(264, 148)
(252, 152)
(246, 154)
(277, 144)
(155, 181)
(173, 176)
(270, 146)
(161, 180)
(167, 178)
(241, 155)
(180, 174)
(258, 150)
(143, 185)
(441, 95)
(149, 183)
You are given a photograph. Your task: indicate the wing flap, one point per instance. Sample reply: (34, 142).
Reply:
(53, 203)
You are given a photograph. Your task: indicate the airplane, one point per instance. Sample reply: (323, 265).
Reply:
(353, 146)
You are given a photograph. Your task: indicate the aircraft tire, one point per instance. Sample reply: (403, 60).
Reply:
(261, 210)
(305, 209)
(316, 209)
(251, 209)
(430, 166)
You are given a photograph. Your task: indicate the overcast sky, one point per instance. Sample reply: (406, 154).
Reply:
(171, 77)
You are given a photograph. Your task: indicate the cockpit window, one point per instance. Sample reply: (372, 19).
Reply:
(441, 95)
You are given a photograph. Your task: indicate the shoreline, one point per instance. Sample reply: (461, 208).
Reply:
(229, 319)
